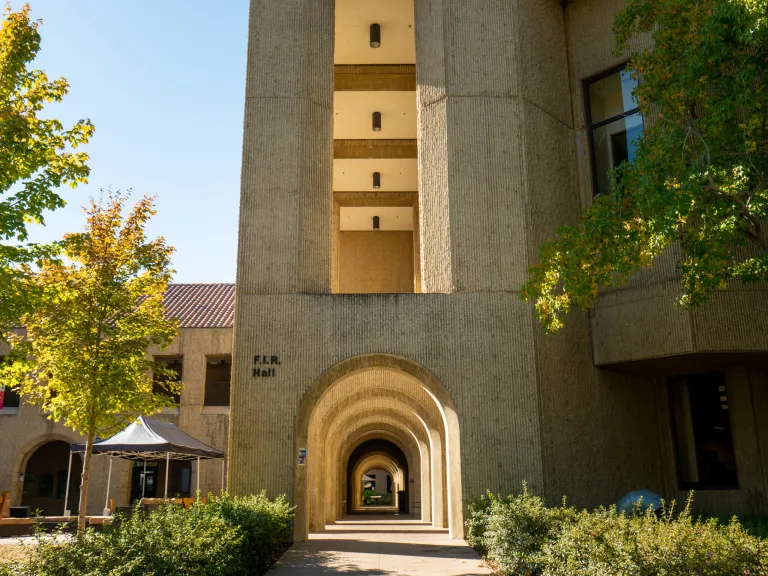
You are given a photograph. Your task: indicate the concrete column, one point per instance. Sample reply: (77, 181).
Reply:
(285, 207)
(426, 495)
(436, 470)
(491, 81)
(285, 219)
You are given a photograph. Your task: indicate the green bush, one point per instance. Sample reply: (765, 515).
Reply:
(511, 532)
(605, 542)
(520, 535)
(226, 536)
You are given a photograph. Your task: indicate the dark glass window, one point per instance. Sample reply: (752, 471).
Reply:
(702, 431)
(160, 381)
(615, 123)
(10, 398)
(218, 375)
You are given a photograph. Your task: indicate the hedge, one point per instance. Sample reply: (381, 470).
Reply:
(521, 535)
(225, 536)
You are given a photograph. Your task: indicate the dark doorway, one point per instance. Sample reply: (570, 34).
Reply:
(45, 480)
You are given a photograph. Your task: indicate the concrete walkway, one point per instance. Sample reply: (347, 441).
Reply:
(376, 545)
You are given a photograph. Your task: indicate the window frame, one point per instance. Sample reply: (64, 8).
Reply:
(591, 127)
(228, 359)
(167, 359)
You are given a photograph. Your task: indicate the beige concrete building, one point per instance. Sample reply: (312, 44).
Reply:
(402, 161)
(34, 451)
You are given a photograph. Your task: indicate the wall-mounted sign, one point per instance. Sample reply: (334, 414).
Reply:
(302, 456)
(264, 366)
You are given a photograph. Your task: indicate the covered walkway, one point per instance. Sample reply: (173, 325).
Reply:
(381, 545)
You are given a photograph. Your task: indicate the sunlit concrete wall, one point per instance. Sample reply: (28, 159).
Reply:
(378, 262)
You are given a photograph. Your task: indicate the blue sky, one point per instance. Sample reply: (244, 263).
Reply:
(163, 82)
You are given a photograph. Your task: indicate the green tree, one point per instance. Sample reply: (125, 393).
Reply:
(84, 357)
(36, 158)
(701, 169)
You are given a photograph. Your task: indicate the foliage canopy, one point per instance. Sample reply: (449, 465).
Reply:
(700, 175)
(37, 157)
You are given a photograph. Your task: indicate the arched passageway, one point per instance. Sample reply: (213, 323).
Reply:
(45, 479)
(386, 468)
(378, 411)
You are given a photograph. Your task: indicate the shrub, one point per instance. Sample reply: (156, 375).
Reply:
(512, 532)
(264, 524)
(520, 535)
(605, 542)
(227, 536)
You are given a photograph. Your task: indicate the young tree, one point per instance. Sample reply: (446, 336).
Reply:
(36, 158)
(84, 357)
(700, 174)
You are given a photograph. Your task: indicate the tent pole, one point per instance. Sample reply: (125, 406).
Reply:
(66, 494)
(109, 481)
(223, 470)
(167, 466)
(197, 482)
(144, 481)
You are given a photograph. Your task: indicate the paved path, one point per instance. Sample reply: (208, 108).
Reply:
(374, 546)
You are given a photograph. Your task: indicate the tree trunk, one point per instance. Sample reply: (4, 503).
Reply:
(85, 479)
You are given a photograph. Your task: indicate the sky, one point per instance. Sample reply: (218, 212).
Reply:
(163, 81)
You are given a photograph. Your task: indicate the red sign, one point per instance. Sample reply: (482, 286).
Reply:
(2, 396)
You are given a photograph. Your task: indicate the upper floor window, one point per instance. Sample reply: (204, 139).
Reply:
(159, 386)
(614, 121)
(702, 432)
(218, 374)
(8, 398)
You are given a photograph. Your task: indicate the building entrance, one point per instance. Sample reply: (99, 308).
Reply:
(386, 413)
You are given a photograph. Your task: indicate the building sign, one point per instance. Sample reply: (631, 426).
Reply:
(265, 366)
(302, 456)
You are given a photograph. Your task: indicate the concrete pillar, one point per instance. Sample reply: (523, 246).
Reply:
(436, 471)
(285, 218)
(285, 209)
(426, 495)
(493, 101)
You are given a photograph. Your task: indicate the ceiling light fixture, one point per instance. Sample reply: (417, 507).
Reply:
(375, 36)
(377, 121)
(376, 180)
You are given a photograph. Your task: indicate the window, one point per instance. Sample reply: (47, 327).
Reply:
(160, 381)
(218, 375)
(8, 398)
(614, 121)
(702, 431)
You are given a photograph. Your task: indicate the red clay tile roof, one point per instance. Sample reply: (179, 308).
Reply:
(201, 305)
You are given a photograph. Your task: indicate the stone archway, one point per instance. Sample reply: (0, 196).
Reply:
(377, 394)
(22, 458)
(45, 479)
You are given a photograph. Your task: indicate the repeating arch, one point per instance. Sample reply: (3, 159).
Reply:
(378, 397)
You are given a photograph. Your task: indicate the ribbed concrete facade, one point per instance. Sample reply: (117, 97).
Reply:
(503, 159)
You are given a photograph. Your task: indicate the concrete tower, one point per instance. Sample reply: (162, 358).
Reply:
(402, 162)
